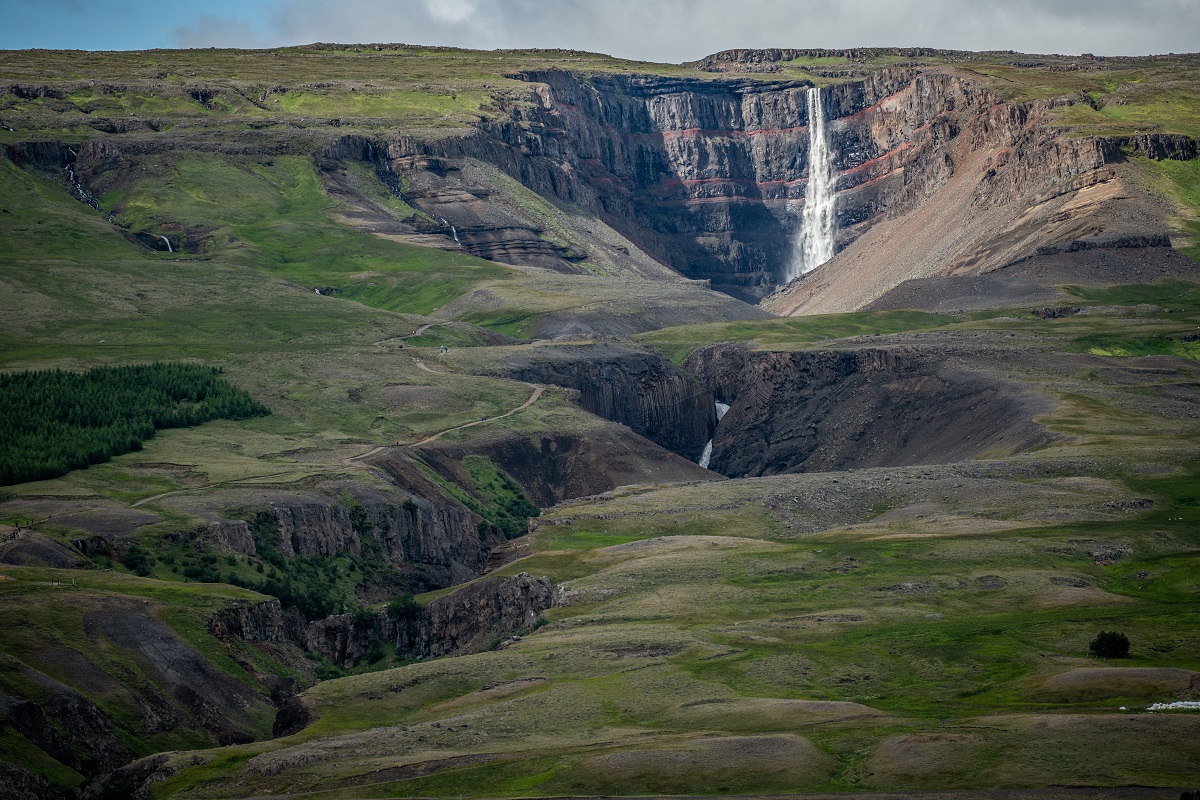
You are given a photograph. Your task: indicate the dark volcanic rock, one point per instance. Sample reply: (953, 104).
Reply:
(427, 543)
(70, 728)
(293, 717)
(231, 536)
(20, 784)
(132, 781)
(835, 410)
(476, 615)
(465, 620)
(632, 385)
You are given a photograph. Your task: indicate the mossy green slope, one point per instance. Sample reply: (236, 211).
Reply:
(890, 654)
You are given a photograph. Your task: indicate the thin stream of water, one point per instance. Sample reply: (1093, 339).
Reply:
(706, 456)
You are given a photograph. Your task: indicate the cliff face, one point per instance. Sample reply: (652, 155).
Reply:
(70, 728)
(427, 543)
(846, 409)
(465, 620)
(707, 176)
(634, 386)
(474, 616)
(973, 184)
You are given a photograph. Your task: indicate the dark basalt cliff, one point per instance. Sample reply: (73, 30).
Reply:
(845, 409)
(706, 176)
(465, 620)
(625, 383)
(434, 544)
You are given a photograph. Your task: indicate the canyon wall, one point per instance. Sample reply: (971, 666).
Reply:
(625, 383)
(465, 620)
(707, 175)
(822, 411)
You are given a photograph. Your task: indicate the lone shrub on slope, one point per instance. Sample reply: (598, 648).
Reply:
(1109, 644)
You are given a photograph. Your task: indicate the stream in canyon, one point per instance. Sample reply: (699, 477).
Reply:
(706, 456)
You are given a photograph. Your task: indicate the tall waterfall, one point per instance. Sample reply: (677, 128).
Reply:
(818, 229)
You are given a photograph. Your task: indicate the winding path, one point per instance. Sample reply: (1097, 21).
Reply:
(418, 331)
(537, 392)
(420, 363)
(204, 486)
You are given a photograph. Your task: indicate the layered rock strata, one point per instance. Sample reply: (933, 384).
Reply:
(825, 411)
(634, 386)
(465, 620)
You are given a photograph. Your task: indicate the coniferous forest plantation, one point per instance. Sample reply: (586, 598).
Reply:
(52, 421)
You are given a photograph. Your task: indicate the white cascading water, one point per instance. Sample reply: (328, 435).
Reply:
(818, 228)
(706, 456)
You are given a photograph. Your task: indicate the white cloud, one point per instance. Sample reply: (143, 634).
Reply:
(214, 31)
(450, 11)
(681, 30)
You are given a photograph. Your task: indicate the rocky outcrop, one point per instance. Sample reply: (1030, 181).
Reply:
(315, 529)
(624, 383)
(465, 620)
(429, 544)
(228, 535)
(131, 781)
(476, 615)
(68, 727)
(261, 622)
(835, 410)
(21, 784)
(1159, 146)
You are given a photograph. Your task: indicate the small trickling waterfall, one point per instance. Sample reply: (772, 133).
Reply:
(168, 241)
(706, 456)
(818, 228)
(453, 230)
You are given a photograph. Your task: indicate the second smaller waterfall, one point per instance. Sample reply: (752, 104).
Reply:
(706, 456)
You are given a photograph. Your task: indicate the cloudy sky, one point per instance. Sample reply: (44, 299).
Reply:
(657, 30)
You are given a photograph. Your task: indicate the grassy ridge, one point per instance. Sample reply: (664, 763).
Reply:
(676, 343)
(680, 662)
(275, 214)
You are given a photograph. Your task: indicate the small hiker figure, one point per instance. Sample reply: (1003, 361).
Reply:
(443, 349)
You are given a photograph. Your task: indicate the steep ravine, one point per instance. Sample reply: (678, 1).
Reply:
(823, 411)
(625, 383)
